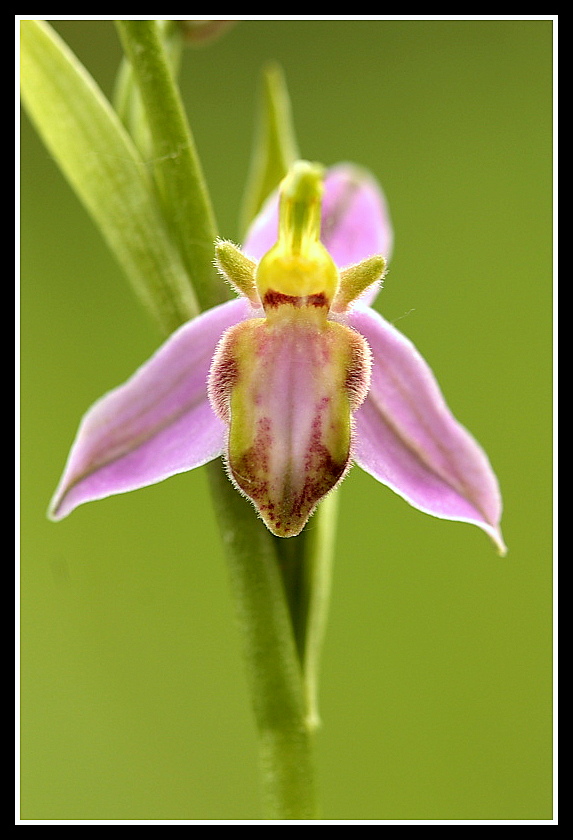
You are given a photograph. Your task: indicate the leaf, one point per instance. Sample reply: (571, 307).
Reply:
(101, 163)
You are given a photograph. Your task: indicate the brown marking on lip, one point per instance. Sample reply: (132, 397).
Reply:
(286, 508)
(224, 375)
(272, 299)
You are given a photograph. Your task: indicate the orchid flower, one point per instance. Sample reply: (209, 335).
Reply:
(292, 381)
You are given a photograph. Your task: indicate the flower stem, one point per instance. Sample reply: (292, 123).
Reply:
(273, 664)
(306, 566)
(319, 558)
(178, 171)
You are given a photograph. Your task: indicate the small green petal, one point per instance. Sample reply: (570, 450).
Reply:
(356, 279)
(238, 269)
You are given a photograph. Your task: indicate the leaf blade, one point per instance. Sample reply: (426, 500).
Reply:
(99, 160)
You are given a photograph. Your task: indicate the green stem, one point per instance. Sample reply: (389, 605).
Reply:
(306, 566)
(319, 559)
(127, 99)
(177, 168)
(272, 661)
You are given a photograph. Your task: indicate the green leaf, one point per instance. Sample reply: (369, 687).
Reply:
(99, 159)
(275, 147)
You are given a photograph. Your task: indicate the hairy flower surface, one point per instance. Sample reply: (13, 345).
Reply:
(292, 381)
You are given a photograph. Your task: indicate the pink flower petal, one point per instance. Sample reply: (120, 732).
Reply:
(355, 220)
(407, 438)
(158, 423)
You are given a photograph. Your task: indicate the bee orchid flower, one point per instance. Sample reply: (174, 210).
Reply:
(292, 381)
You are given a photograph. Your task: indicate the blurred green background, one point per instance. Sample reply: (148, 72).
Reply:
(436, 680)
